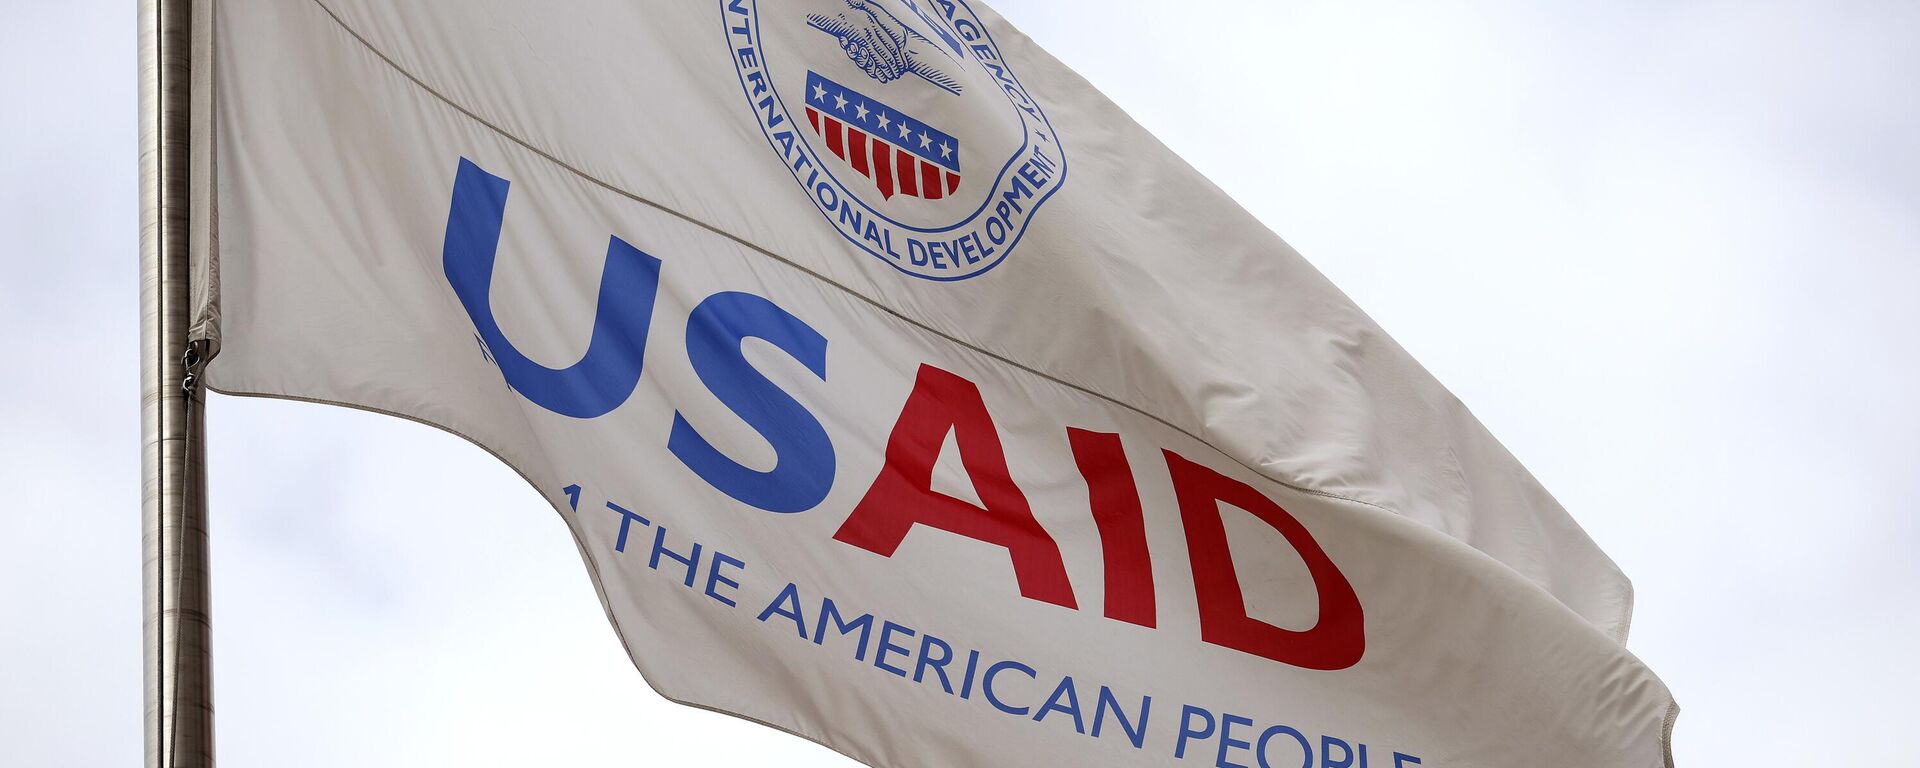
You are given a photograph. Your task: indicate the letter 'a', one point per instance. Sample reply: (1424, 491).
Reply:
(903, 496)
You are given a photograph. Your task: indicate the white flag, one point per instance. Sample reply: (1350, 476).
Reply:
(899, 391)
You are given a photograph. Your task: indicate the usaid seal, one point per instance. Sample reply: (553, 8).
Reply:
(902, 123)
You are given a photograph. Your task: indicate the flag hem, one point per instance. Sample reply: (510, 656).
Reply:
(1666, 731)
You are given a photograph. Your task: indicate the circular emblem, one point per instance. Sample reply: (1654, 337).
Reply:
(902, 123)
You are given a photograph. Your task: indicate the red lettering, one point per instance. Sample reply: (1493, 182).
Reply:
(1336, 641)
(902, 496)
(1123, 528)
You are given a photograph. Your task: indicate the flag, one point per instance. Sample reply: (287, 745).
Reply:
(899, 391)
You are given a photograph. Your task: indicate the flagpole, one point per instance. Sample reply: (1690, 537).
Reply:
(178, 679)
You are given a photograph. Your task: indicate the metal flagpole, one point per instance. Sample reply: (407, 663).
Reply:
(179, 683)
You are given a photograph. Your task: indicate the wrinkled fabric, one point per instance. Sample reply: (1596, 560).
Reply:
(1136, 300)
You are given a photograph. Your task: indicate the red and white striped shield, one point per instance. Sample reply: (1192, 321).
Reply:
(899, 153)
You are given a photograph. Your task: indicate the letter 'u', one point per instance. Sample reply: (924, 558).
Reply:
(605, 376)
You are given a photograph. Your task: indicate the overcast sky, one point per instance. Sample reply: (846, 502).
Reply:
(1668, 251)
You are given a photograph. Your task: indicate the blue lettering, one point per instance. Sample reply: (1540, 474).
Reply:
(986, 685)
(1187, 730)
(939, 666)
(605, 376)
(828, 613)
(1306, 748)
(1136, 731)
(722, 560)
(1326, 753)
(973, 664)
(787, 604)
(1064, 699)
(1227, 721)
(626, 519)
(803, 470)
(691, 560)
(885, 646)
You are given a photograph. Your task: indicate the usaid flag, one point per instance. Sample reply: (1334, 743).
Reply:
(899, 391)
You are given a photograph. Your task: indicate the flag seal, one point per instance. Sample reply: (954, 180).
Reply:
(902, 124)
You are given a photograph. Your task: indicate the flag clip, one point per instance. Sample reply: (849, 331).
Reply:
(192, 361)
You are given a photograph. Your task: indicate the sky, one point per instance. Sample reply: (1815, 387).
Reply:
(1666, 251)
